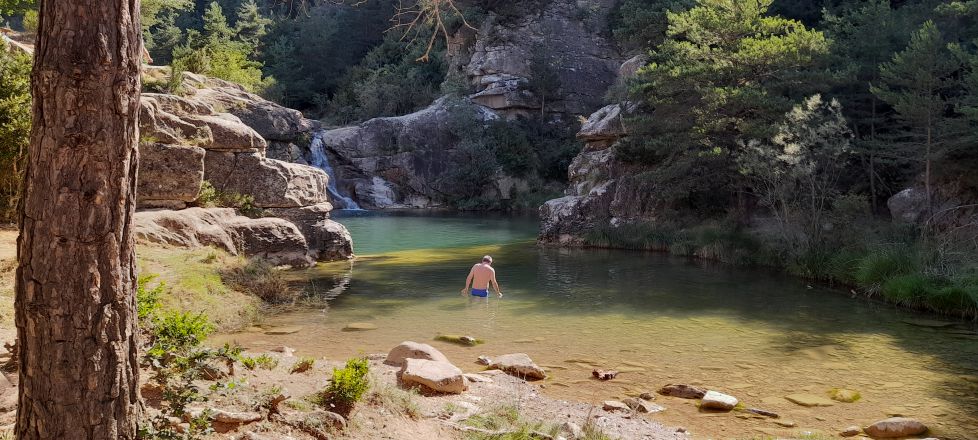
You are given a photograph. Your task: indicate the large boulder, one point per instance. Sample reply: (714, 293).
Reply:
(272, 183)
(908, 206)
(895, 427)
(437, 376)
(413, 350)
(169, 175)
(327, 239)
(273, 239)
(519, 365)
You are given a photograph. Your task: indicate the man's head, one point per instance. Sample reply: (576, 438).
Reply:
(487, 260)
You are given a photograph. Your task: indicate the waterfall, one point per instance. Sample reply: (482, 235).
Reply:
(318, 159)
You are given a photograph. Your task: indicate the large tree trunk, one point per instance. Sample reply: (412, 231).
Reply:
(75, 301)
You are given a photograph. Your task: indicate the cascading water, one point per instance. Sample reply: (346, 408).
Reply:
(318, 159)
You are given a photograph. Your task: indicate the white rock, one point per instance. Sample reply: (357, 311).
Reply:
(519, 365)
(717, 400)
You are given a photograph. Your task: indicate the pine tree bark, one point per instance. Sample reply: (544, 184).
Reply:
(75, 286)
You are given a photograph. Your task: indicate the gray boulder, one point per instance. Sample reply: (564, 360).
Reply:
(413, 350)
(169, 175)
(272, 183)
(519, 365)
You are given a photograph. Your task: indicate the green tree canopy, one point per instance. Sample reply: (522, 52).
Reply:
(726, 72)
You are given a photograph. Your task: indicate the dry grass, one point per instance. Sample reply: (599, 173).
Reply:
(260, 279)
(194, 282)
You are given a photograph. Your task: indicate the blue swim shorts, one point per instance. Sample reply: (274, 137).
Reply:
(481, 293)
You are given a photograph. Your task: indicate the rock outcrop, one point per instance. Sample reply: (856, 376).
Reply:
(218, 132)
(567, 34)
(402, 162)
(274, 239)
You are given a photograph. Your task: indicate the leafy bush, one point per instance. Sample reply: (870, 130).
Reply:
(179, 332)
(347, 386)
(148, 301)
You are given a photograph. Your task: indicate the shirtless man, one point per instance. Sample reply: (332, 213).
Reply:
(480, 278)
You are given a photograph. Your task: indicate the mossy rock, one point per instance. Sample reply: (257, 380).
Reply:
(467, 341)
(844, 395)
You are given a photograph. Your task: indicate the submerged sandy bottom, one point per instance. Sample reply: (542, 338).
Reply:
(658, 320)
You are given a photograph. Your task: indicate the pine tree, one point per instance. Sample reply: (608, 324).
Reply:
(866, 35)
(251, 25)
(727, 72)
(915, 83)
(216, 28)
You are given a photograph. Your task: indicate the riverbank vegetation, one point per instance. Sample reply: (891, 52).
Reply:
(791, 133)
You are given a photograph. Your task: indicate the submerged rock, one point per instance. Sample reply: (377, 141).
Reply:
(468, 341)
(718, 400)
(519, 365)
(642, 405)
(844, 395)
(851, 431)
(437, 376)
(413, 350)
(359, 326)
(895, 427)
(809, 400)
(604, 374)
(683, 391)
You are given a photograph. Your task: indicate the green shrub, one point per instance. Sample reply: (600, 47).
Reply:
(911, 289)
(347, 386)
(880, 265)
(148, 301)
(211, 197)
(179, 332)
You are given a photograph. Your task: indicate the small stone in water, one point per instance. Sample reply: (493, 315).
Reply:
(604, 374)
(483, 360)
(359, 326)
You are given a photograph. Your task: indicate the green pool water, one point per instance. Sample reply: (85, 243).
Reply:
(755, 334)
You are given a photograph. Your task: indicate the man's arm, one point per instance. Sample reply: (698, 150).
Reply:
(496, 283)
(468, 280)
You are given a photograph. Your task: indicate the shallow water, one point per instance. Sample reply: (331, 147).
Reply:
(658, 319)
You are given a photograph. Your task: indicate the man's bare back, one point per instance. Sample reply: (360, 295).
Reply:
(481, 276)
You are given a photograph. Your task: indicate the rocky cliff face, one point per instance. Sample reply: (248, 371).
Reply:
(603, 190)
(566, 34)
(400, 162)
(220, 133)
